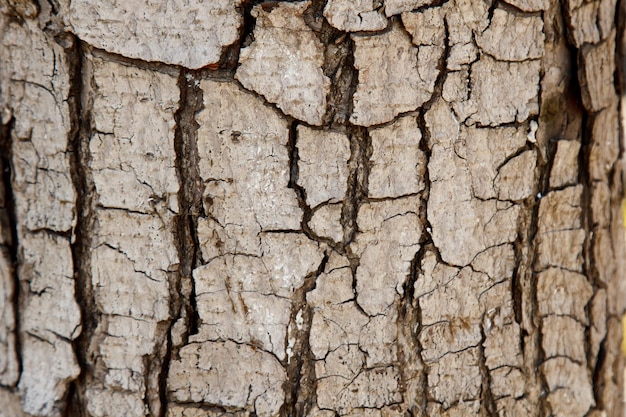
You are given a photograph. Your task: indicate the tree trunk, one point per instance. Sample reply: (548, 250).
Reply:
(321, 208)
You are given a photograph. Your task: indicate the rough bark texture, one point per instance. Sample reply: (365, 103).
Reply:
(315, 208)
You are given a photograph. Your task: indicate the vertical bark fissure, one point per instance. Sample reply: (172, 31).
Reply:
(487, 402)
(11, 235)
(534, 355)
(356, 193)
(338, 65)
(80, 134)
(415, 316)
(412, 365)
(301, 383)
(182, 289)
(294, 172)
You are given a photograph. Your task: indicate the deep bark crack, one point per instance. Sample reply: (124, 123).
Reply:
(301, 383)
(81, 102)
(8, 228)
(191, 187)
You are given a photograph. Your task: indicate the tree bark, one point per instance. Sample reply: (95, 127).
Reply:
(318, 208)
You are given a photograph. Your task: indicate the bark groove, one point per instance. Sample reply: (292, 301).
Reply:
(315, 208)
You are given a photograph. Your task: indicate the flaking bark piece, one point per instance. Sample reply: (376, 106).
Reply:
(284, 63)
(190, 33)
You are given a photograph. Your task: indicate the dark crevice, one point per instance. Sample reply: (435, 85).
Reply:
(358, 166)
(527, 272)
(294, 172)
(559, 119)
(307, 211)
(229, 60)
(80, 104)
(183, 305)
(338, 65)
(301, 384)
(487, 401)
(412, 366)
(9, 242)
(339, 68)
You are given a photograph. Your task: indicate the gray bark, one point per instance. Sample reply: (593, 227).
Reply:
(318, 208)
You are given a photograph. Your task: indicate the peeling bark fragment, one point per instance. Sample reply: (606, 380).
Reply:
(497, 262)
(571, 393)
(398, 164)
(611, 371)
(429, 35)
(355, 16)
(322, 165)
(563, 249)
(35, 93)
(462, 226)
(42, 390)
(561, 210)
(121, 182)
(192, 33)
(460, 310)
(326, 222)
(47, 271)
(595, 74)
(392, 76)
(492, 82)
(589, 21)
(284, 63)
(560, 234)
(565, 166)
(511, 37)
(238, 297)
(426, 27)
(121, 385)
(134, 251)
(605, 143)
(34, 101)
(233, 375)
(388, 240)
(244, 162)
(563, 293)
(563, 336)
(517, 178)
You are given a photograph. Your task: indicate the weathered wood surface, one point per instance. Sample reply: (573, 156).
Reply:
(315, 208)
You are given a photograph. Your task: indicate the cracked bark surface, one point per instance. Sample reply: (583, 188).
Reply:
(311, 208)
